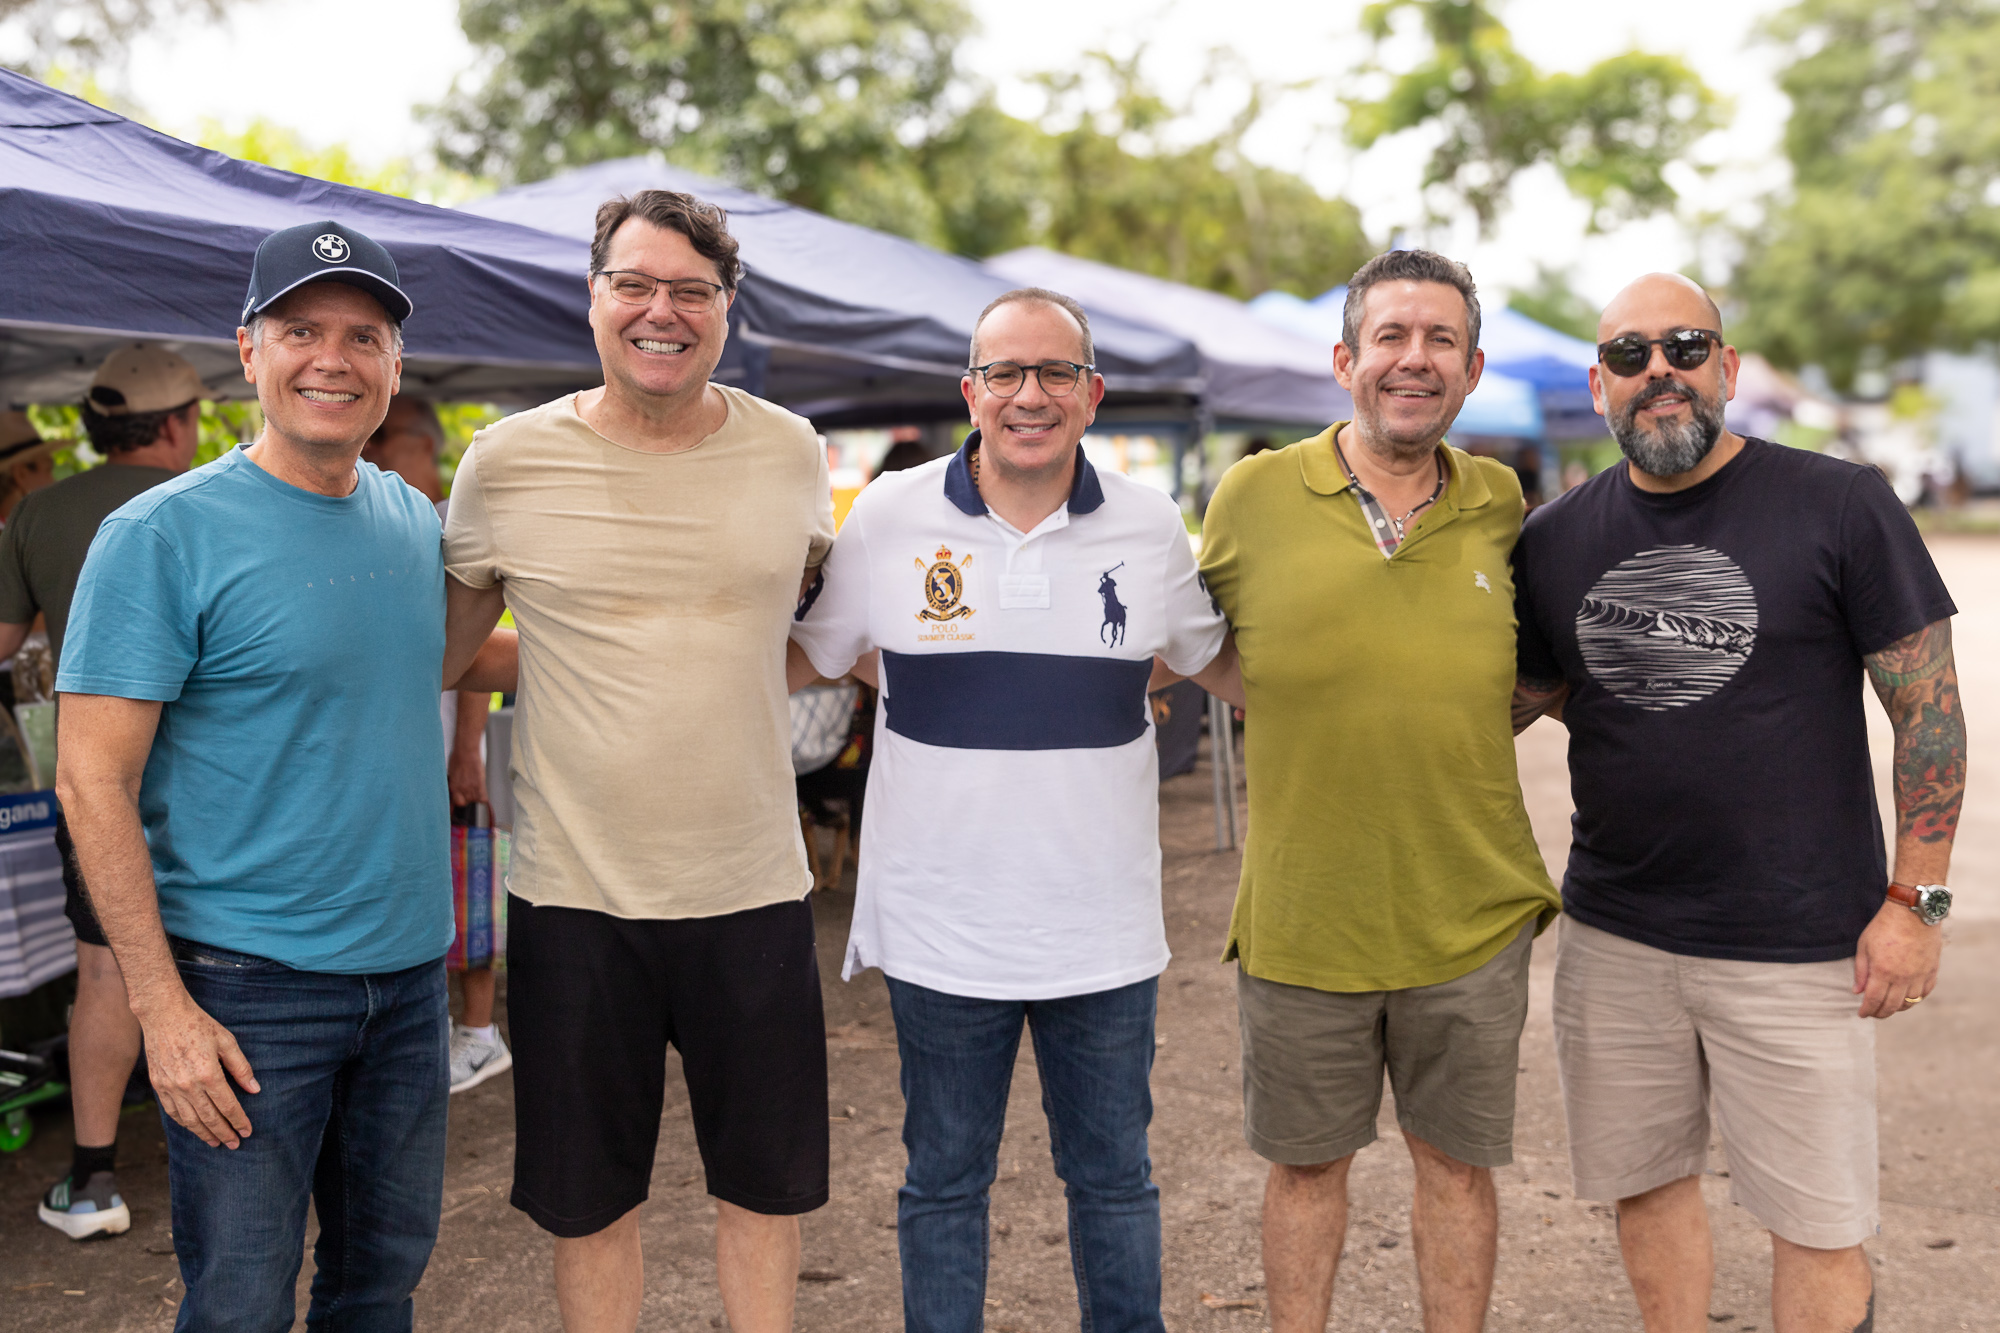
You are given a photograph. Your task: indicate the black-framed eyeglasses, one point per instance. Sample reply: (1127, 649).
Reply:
(690, 296)
(1684, 348)
(1005, 378)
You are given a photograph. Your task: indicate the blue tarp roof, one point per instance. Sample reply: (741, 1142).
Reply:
(1257, 373)
(111, 231)
(856, 323)
(1502, 405)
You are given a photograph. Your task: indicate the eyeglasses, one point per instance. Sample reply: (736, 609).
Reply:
(1005, 378)
(1684, 348)
(691, 296)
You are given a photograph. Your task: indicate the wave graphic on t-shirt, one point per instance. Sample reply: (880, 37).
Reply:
(1668, 627)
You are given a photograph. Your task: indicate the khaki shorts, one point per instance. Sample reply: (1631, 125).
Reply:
(1313, 1063)
(1645, 1039)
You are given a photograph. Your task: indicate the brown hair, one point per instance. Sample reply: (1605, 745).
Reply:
(1038, 296)
(1409, 266)
(705, 226)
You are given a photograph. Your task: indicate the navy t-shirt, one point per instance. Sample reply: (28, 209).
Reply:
(1712, 641)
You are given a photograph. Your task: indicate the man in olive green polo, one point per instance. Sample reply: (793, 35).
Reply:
(1391, 884)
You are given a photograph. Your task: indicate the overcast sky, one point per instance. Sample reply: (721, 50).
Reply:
(351, 73)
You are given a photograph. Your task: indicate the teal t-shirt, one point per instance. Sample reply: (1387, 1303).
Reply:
(294, 799)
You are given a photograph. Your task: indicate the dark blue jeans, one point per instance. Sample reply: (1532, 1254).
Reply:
(1095, 1056)
(355, 1072)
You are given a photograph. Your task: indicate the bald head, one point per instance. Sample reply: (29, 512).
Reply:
(1657, 302)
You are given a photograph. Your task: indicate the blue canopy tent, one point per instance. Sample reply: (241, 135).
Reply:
(1502, 406)
(843, 324)
(113, 231)
(1258, 374)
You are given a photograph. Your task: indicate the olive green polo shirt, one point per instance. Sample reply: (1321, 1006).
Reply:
(1389, 846)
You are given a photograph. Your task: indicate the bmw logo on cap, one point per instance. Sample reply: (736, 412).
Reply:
(330, 247)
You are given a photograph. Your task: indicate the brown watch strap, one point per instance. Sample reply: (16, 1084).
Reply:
(1906, 894)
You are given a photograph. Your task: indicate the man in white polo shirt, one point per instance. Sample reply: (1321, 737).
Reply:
(1010, 863)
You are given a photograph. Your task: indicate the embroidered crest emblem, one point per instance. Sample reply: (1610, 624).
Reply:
(944, 585)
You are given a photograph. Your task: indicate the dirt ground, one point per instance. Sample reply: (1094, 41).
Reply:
(1937, 1261)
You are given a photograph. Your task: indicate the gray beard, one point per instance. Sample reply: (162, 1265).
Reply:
(1668, 451)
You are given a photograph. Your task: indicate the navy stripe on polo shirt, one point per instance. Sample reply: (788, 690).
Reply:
(1015, 701)
(1011, 848)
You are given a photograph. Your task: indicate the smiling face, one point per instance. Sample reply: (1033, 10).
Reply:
(655, 350)
(1665, 420)
(325, 366)
(1411, 372)
(1032, 435)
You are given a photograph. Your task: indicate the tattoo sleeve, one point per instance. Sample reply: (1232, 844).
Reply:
(1533, 698)
(1917, 682)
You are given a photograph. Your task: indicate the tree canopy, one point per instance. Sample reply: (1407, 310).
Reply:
(89, 32)
(1610, 131)
(857, 108)
(1887, 241)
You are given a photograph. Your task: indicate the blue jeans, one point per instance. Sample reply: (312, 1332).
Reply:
(355, 1073)
(1095, 1056)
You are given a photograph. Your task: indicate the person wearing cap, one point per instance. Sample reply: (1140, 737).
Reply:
(254, 778)
(659, 883)
(143, 413)
(407, 443)
(26, 461)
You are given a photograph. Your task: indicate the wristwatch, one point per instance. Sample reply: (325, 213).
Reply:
(1931, 902)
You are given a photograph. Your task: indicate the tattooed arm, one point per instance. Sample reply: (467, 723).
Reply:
(1918, 684)
(1533, 698)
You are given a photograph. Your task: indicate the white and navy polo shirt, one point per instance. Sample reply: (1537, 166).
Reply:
(1011, 848)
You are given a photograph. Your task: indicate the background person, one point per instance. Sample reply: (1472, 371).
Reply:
(26, 461)
(1016, 653)
(1391, 883)
(251, 676)
(143, 413)
(1702, 618)
(660, 524)
(408, 443)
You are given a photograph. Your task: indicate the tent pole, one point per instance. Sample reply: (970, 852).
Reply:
(1221, 774)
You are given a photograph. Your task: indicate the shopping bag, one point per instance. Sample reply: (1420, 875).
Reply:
(479, 858)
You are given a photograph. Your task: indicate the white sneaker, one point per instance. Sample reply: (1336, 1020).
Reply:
(475, 1059)
(83, 1213)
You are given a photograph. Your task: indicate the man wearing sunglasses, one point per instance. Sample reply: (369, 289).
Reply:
(1701, 619)
(1391, 885)
(1010, 862)
(650, 538)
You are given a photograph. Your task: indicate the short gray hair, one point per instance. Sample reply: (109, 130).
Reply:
(1409, 266)
(1037, 296)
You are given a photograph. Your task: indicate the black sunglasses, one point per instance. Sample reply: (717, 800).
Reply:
(1684, 348)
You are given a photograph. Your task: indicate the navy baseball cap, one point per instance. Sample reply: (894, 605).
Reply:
(323, 252)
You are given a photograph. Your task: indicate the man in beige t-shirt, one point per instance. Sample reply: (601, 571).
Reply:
(651, 538)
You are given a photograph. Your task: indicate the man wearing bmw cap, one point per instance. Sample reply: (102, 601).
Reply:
(253, 775)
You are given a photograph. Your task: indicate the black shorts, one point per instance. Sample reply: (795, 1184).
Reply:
(76, 906)
(593, 1001)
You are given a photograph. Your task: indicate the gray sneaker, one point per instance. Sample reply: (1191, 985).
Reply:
(474, 1059)
(83, 1213)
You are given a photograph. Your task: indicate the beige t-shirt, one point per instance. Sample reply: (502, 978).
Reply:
(652, 740)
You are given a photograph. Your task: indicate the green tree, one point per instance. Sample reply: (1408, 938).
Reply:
(1610, 131)
(1887, 241)
(68, 33)
(815, 101)
(1553, 301)
(1205, 214)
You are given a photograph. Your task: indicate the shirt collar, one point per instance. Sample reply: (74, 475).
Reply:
(1086, 492)
(1465, 486)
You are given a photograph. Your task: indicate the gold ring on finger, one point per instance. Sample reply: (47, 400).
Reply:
(1913, 999)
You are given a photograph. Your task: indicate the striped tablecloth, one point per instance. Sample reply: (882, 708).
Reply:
(36, 941)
